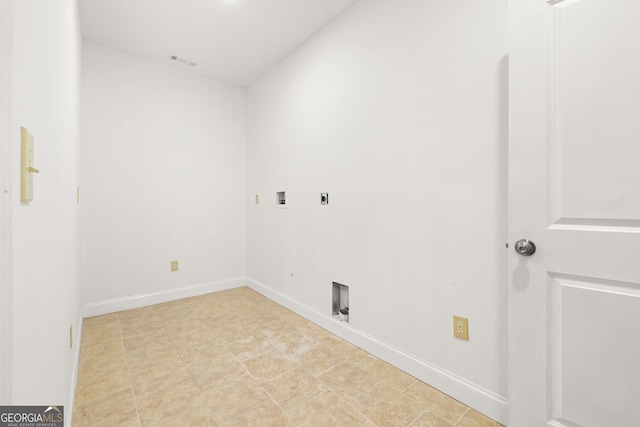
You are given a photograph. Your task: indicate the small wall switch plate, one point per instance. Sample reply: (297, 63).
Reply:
(324, 198)
(174, 265)
(461, 327)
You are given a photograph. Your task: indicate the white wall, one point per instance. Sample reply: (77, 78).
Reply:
(398, 111)
(5, 204)
(45, 267)
(163, 178)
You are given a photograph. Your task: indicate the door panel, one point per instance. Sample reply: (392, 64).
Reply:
(575, 191)
(594, 70)
(589, 365)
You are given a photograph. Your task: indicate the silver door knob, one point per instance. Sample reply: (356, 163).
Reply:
(525, 247)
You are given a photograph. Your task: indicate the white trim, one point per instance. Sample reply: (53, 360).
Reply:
(472, 395)
(77, 345)
(5, 204)
(137, 301)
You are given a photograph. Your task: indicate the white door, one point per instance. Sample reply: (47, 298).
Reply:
(574, 305)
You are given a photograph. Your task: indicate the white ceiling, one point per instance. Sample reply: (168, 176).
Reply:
(231, 40)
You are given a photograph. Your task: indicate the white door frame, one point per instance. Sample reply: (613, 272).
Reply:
(5, 203)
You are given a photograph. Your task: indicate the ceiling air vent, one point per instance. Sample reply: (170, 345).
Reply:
(182, 61)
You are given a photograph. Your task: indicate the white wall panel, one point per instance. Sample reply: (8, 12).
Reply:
(398, 111)
(163, 178)
(45, 245)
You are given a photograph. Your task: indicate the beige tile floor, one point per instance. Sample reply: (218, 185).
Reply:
(235, 358)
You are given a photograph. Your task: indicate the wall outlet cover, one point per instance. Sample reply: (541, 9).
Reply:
(461, 327)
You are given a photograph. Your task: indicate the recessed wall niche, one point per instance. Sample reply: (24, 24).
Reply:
(281, 198)
(340, 302)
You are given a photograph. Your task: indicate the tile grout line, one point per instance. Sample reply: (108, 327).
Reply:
(357, 410)
(461, 416)
(261, 387)
(203, 404)
(126, 360)
(418, 417)
(316, 377)
(277, 404)
(371, 388)
(347, 402)
(410, 385)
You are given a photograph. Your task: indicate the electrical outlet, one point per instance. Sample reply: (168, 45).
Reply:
(174, 265)
(257, 199)
(461, 327)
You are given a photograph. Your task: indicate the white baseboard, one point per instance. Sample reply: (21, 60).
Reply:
(77, 338)
(137, 301)
(472, 395)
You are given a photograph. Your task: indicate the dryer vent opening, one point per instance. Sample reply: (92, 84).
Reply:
(340, 302)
